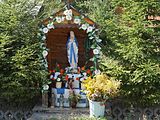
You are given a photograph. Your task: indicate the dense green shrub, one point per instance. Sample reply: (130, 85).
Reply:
(131, 49)
(21, 71)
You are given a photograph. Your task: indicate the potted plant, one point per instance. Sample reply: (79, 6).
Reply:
(99, 89)
(73, 99)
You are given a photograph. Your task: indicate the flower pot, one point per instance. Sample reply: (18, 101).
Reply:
(97, 109)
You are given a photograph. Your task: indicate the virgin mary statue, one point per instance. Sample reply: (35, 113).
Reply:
(72, 50)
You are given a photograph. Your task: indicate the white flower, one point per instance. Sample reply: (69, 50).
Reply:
(40, 29)
(45, 30)
(45, 53)
(58, 79)
(68, 17)
(89, 29)
(63, 18)
(68, 12)
(46, 65)
(98, 47)
(97, 72)
(77, 21)
(44, 37)
(51, 17)
(58, 19)
(84, 26)
(98, 40)
(81, 79)
(45, 87)
(51, 76)
(50, 26)
(56, 75)
(65, 12)
(96, 51)
(84, 74)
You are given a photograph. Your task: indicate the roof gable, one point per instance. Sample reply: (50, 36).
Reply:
(75, 13)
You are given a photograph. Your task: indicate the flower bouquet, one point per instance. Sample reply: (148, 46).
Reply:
(99, 89)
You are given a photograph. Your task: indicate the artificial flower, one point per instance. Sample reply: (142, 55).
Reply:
(68, 17)
(63, 18)
(97, 72)
(83, 68)
(77, 21)
(81, 79)
(84, 26)
(44, 37)
(40, 29)
(98, 47)
(45, 87)
(66, 77)
(89, 29)
(84, 74)
(98, 40)
(45, 53)
(96, 51)
(88, 71)
(68, 12)
(46, 65)
(61, 71)
(58, 79)
(58, 19)
(45, 30)
(51, 76)
(58, 65)
(50, 26)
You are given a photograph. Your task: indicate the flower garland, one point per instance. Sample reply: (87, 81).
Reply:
(64, 74)
(68, 15)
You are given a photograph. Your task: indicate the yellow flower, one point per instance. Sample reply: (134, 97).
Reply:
(101, 87)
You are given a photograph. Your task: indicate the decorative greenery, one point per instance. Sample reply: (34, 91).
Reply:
(74, 97)
(101, 88)
(131, 51)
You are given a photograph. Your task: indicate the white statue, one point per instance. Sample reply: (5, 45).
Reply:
(72, 50)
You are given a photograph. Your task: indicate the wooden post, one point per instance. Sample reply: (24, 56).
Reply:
(45, 98)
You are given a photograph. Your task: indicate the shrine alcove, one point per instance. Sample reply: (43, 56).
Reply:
(61, 53)
(56, 43)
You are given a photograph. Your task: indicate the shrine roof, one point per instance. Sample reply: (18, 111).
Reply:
(75, 12)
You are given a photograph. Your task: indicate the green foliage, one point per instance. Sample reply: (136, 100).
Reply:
(131, 49)
(21, 71)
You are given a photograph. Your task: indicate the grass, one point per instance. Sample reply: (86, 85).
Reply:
(82, 118)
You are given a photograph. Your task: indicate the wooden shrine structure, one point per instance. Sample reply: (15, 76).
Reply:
(55, 42)
(57, 38)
